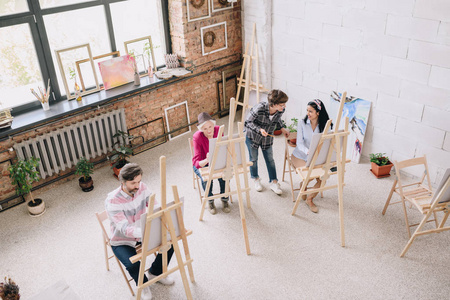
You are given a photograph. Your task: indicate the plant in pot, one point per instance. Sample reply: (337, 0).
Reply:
(381, 166)
(23, 174)
(293, 128)
(9, 290)
(85, 169)
(278, 128)
(122, 152)
(148, 52)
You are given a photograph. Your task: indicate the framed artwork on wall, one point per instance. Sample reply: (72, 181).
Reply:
(219, 5)
(214, 38)
(78, 64)
(179, 115)
(198, 10)
(66, 58)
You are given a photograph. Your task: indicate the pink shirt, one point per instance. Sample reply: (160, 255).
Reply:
(201, 146)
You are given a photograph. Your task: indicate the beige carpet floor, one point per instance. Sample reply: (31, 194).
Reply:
(293, 257)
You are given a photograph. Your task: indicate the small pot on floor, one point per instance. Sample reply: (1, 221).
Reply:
(86, 185)
(36, 208)
(381, 171)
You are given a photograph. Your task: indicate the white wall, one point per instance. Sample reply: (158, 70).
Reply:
(394, 53)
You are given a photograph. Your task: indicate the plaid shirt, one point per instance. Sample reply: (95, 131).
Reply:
(258, 118)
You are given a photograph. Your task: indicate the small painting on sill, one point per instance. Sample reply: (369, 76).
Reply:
(117, 71)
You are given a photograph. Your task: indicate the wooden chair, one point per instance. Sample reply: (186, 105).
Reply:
(428, 204)
(195, 178)
(102, 219)
(417, 194)
(290, 166)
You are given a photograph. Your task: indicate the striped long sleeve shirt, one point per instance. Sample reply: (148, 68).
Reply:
(124, 212)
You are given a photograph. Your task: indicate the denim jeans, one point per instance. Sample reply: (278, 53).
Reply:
(204, 183)
(124, 252)
(268, 158)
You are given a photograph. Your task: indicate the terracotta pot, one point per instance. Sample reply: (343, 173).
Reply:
(277, 132)
(117, 168)
(381, 171)
(86, 186)
(292, 142)
(37, 208)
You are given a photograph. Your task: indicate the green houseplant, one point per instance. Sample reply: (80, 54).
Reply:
(293, 128)
(85, 169)
(121, 152)
(381, 166)
(9, 290)
(23, 174)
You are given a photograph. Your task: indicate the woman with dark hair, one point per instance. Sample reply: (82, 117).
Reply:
(314, 122)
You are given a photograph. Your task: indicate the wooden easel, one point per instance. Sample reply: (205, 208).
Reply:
(247, 82)
(167, 226)
(323, 171)
(232, 169)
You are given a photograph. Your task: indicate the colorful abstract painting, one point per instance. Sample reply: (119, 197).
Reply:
(357, 110)
(117, 71)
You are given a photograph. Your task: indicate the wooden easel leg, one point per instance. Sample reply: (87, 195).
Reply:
(242, 211)
(444, 219)
(341, 206)
(302, 189)
(203, 208)
(411, 240)
(389, 198)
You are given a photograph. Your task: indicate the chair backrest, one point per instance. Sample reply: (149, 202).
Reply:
(417, 161)
(102, 217)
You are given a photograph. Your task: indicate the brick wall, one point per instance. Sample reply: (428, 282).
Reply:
(395, 54)
(199, 91)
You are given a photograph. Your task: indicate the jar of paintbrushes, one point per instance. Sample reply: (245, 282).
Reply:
(43, 95)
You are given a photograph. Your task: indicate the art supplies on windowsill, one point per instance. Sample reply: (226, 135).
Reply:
(43, 96)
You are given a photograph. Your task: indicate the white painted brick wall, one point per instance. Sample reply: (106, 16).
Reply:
(400, 107)
(420, 132)
(440, 77)
(436, 118)
(429, 53)
(402, 68)
(430, 96)
(398, 49)
(433, 9)
(414, 28)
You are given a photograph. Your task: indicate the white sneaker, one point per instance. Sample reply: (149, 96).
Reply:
(146, 294)
(275, 187)
(258, 186)
(168, 280)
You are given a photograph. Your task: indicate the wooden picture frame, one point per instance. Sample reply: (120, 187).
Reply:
(63, 74)
(149, 38)
(167, 119)
(217, 34)
(79, 62)
(192, 10)
(220, 7)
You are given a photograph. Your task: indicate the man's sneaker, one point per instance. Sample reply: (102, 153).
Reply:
(146, 294)
(258, 186)
(275, 187)
(168, 280)
(225, 206)
(212, 208)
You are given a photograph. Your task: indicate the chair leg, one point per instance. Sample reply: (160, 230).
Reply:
(389, 197)
(193, 179)
(199, 190)
(292, 183)
(406, 218)
(106, 256)
(124, 275)
(435, 219)
(284, 167)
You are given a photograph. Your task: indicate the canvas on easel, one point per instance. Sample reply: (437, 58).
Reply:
(327, 151)
(225, 153)
(166, 214)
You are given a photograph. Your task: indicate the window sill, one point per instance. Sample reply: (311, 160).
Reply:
(61, 109)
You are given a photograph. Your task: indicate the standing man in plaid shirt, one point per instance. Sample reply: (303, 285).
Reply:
(260, 125)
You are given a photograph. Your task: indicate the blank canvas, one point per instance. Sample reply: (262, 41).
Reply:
(221, 160)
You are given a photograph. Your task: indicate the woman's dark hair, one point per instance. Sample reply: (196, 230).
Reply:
(129, 172)
(277, 97)
(318, 105)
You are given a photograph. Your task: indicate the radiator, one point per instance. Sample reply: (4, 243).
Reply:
(62, 148)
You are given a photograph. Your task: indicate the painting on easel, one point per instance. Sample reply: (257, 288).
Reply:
(357, 110)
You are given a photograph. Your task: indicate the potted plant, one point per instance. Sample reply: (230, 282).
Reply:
(122, 152)
(381, 166)
(85, 169)
(23, 174)
(293, 128)
(73, 76)
(9, 290)
(148, 52)
(278, 128)
(133, 62)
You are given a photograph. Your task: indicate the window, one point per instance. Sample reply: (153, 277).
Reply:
(31, 31)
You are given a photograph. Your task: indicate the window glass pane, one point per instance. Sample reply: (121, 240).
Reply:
(19, 66)
(74, 28)
(136, 19)
(54, 3)
(9, 7)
